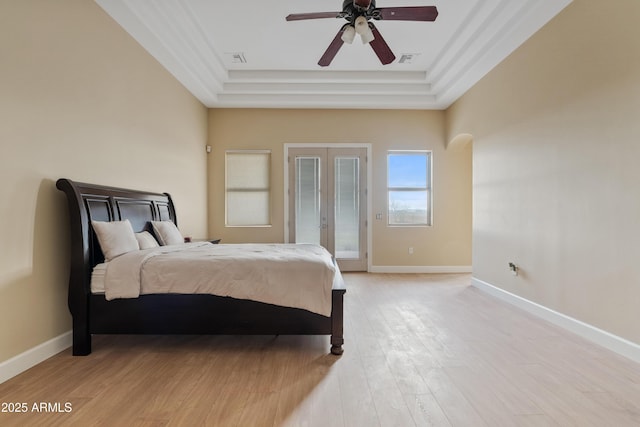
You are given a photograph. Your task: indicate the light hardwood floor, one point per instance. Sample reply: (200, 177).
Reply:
(419, 350)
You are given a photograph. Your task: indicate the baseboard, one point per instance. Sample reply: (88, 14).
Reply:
(20, 363)
(603, 338)
(435, 269)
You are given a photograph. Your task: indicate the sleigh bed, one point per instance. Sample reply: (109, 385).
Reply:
(168, 313)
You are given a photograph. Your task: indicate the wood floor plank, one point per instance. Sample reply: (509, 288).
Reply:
(535, 420)
(358, 407)
(454, 404)
(481, 395)
(420, 350)
(259, 410)
(426, 411)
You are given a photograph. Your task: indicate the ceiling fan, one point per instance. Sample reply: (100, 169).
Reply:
(359, 14)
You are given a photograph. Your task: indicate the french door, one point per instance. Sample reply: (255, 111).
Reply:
(327, 202)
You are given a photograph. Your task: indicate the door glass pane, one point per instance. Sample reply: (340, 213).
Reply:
(347, 208)
(307, 200)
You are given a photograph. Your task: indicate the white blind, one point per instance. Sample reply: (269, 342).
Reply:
(248, 188)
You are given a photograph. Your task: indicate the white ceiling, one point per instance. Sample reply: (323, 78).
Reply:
(198, 40)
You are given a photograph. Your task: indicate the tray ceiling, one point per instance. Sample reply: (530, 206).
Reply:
(231, 53)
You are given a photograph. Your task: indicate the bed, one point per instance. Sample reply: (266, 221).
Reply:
(167, 313)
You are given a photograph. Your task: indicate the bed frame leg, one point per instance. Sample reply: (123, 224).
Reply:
(336, 349)
(81, 339)
(337, 320)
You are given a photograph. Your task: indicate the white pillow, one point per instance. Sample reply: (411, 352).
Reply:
(167, 233)
(115, 238)
(146, 240)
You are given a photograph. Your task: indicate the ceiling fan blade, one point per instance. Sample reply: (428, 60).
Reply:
(333, 49)
(410, 13)
(380, 47)
(316, 15)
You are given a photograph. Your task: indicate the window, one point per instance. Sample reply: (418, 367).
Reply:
(409, 187)
(247, 188)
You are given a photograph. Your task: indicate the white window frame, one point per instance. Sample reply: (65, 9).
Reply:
(428, 188)
(266, 188)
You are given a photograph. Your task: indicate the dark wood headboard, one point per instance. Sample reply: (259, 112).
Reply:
(89, 202)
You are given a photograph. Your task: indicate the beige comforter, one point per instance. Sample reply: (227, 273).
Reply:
(290, 275)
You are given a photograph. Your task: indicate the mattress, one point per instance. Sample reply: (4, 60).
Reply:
(291, 275)
(97, 278)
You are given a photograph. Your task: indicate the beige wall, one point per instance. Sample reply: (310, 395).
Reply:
(556, 173)
(79, 99)
(447, 243)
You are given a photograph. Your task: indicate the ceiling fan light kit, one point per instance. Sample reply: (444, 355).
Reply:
(359, 14)
(362, 28)
(348, 34)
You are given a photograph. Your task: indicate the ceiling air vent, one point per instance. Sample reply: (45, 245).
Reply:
(237, 58)
(406, 58)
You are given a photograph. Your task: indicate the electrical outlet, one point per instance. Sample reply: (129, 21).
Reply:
(410, 250)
